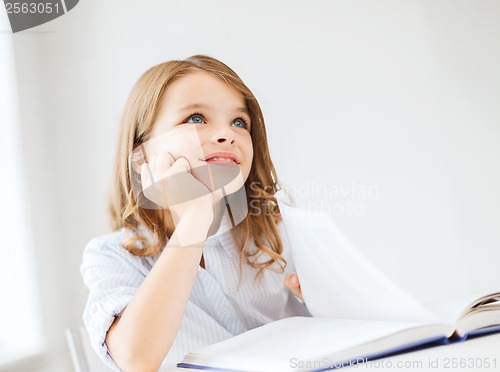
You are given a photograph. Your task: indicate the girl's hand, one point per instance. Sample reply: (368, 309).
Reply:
(293, 284)
(170, 169)
(169, 183)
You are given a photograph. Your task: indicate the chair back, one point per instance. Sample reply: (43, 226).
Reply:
(83, 357)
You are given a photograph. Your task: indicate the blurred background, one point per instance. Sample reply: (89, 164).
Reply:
(383, 114)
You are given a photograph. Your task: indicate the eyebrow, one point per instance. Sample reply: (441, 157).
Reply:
(194, 106)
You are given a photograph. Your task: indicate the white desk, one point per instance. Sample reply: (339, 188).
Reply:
(475, 353)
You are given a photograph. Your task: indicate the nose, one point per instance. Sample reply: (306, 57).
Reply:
(224, 135)
(224, 139)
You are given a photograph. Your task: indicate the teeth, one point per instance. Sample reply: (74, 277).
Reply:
(221, 159)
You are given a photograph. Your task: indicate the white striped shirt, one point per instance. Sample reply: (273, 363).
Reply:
(216, 309)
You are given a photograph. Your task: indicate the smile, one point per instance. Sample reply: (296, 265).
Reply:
(222, 161)
(223, 158)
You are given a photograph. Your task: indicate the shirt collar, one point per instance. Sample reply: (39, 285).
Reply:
(224, 236)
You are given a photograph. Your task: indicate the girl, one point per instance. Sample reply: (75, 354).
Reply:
(198, 253)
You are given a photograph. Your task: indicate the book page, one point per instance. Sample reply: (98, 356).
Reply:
(337, 280)
(451, 309)
(280, 344)
(467, 313)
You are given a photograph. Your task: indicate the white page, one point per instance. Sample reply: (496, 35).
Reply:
(336, 279)
(451, 310)
(279, 345)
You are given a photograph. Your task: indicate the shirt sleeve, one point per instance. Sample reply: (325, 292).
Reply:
(112, 275)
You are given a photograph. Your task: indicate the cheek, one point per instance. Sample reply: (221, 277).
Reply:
(247, 148)
(248, 155)
(250, 151)
(247, 145)
(180, 141)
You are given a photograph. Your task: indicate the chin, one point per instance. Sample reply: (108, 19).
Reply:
(234, 186)
(234, 182)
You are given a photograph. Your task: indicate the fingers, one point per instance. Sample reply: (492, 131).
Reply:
(180, 165)
(161, 166)
(292, 282)
(155, 173)
(168, 182)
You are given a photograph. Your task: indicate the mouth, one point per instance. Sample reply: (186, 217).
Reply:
(223, 158)
(223, 162)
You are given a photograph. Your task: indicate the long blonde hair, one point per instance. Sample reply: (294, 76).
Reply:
(261, 185)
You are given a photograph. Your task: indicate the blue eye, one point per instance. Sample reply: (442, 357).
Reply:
(195, 118)
(198, 118)
(240, 122)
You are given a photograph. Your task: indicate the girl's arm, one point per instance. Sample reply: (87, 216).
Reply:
(140, 339)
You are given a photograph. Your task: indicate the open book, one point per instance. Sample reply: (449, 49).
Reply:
(316, 343)
(358, 314)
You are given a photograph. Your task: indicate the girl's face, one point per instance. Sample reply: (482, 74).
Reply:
(202, 115)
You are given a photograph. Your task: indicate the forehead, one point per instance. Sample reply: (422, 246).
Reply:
(201, 87)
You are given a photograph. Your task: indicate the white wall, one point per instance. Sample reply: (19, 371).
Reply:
(398, 99)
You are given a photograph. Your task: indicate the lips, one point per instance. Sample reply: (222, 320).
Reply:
(223, 158)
